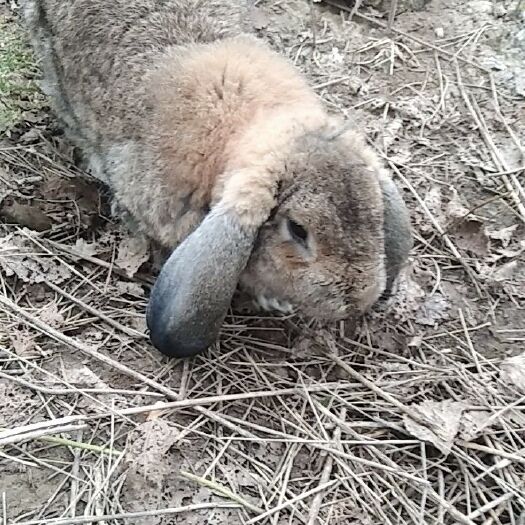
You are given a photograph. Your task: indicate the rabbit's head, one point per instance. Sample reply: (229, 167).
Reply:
(322, 250)
(332, 240)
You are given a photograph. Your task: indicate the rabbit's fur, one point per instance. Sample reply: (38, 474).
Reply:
(197, 126)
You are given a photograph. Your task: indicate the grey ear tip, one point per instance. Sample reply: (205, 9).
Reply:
(169, 342)
(171, 347)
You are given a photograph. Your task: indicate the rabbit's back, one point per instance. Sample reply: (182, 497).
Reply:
(96, 52)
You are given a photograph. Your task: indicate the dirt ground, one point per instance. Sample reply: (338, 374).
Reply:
(414, 414)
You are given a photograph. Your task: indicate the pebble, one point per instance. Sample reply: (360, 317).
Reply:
(499, 10)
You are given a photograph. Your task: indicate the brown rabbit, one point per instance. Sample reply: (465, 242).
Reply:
(219, 150)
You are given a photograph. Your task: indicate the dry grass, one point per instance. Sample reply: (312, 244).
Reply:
(414, 414)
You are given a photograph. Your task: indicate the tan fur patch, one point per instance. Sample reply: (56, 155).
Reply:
(244, 122)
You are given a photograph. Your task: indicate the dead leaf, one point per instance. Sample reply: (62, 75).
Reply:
(124, 288)
(147, 446)
(17, 257)
(433, 310)
(512, 371)
(471, 235)
(473, 423)
(443, 418)
(504, 234)
(83, 376)
(510, 252)
(148, 467)
(23, 342)
(409, 293)
(500, 274)
(469, 231)
(83, 247)
(456, 209)
(434, 202)
(51, 315)
(133, 252)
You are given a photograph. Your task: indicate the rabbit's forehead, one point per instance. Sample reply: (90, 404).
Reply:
(336, 200)
(327, 168)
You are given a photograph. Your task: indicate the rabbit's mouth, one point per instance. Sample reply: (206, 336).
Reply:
(273, 304)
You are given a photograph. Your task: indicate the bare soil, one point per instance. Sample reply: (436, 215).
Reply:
(414, 414)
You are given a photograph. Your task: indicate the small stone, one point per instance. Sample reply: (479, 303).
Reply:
(519, 84)
(440, 32)
(481, 6)
(499, 10)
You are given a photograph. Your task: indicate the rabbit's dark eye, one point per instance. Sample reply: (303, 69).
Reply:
(297, 231)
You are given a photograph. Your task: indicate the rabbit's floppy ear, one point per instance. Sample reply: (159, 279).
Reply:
(397, 231)
(191, 296)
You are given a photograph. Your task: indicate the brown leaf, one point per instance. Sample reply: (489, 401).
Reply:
(133, 252)
(147, 446)
(30, 216)
(129, 288)
(149, 468)
(443, 418)
(23, 342)
(512, 252)
(471, 235)
(469, 231)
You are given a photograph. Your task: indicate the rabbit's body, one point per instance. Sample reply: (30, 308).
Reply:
(180, 112)
(107, 99)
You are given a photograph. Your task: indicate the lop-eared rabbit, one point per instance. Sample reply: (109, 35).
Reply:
(218, 149)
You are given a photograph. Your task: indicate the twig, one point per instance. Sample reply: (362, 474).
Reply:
(439, 229)
(79, 445)
(496, 155)
(420, 41)
(225, 398)
(131, 515)
(325, 476)
(380, 392)
(85, 349)
(97, 313)
(67, 391)
(493, 451)
(392, 14)
(41, 425)
(291, 501)
(8, 437)
(222, 490)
